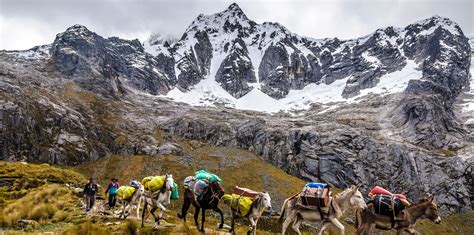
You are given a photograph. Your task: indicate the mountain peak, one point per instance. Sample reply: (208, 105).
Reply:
(232, 15)
(233, 11)
(234, 7)
(436, 21)
(78, 28)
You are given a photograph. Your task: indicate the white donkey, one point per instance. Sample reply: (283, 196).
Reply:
(134, 201)
(158, 199)
(350, 197)
(262, 203)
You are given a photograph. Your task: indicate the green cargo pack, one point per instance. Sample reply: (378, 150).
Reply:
(206, 176)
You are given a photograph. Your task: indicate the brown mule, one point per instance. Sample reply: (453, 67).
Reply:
(425, 207)
(208, 200)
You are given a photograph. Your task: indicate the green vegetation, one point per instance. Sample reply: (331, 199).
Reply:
(39, 193)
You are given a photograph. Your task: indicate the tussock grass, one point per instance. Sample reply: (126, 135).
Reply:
(46, 204)
(37, 192)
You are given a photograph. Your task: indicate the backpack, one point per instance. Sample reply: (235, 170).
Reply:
(113, 190)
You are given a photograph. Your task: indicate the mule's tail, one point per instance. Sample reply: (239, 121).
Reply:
(283, 210)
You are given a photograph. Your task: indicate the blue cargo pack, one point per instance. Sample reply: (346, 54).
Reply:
(316, 185)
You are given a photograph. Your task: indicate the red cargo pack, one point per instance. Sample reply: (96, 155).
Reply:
(245, 192)
(401, 196)
(379, 190)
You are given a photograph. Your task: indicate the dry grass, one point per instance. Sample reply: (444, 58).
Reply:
(36, 192)
(50, 203)
(18, 178)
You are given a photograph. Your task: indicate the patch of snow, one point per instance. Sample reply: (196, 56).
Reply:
(38, 52)
(467, 105)
(208, 93)
(371, 59)
(395, 82)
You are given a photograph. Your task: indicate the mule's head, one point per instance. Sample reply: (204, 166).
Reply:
(431, 211)
(357, 200)
(266, 201)
(217, 188)
(169, 182)
(141, 188)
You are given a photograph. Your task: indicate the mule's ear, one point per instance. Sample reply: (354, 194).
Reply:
(358, 185)
(431, 198)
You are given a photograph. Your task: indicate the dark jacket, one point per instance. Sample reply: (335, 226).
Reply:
(91, 189)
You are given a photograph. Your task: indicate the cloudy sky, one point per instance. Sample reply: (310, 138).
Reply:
(26, 23)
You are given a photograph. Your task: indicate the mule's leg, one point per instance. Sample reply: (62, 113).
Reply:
(184, 210)
(296, 225)
(324, 227)
(203, 219)
(196, 216)
(137, 204)
(152, 212)
(232, 223)
(123, 210)
(338, 225)
(253, 226)
(162, 211)
(411, 231)
(144, 212)
(256, 222)
(290, 216)
(218, 210)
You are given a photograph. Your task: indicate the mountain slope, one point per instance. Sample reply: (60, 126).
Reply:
(85, 97)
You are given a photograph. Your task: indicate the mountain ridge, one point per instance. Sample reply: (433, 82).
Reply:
(86, 97)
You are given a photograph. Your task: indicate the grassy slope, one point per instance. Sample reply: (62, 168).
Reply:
(235, 166)
(37, 192)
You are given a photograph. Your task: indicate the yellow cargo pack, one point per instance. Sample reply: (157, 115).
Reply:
(125, 192)
(153, 183)
(234, 200)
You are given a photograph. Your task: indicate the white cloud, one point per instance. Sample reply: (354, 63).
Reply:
(26, 23)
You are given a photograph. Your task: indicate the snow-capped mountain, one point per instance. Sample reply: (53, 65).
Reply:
(228, 58)
(85, 97)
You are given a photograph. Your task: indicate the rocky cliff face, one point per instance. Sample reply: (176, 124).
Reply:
(110, 65)
(382, 109)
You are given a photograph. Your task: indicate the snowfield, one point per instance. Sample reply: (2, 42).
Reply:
(209, 93)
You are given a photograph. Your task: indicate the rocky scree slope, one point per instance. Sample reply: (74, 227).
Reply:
(84, 97)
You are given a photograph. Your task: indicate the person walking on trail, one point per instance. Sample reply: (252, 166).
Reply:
(112, 191)
(90, 191)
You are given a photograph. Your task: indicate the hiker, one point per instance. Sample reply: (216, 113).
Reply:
(90, 190)
(112, 191)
